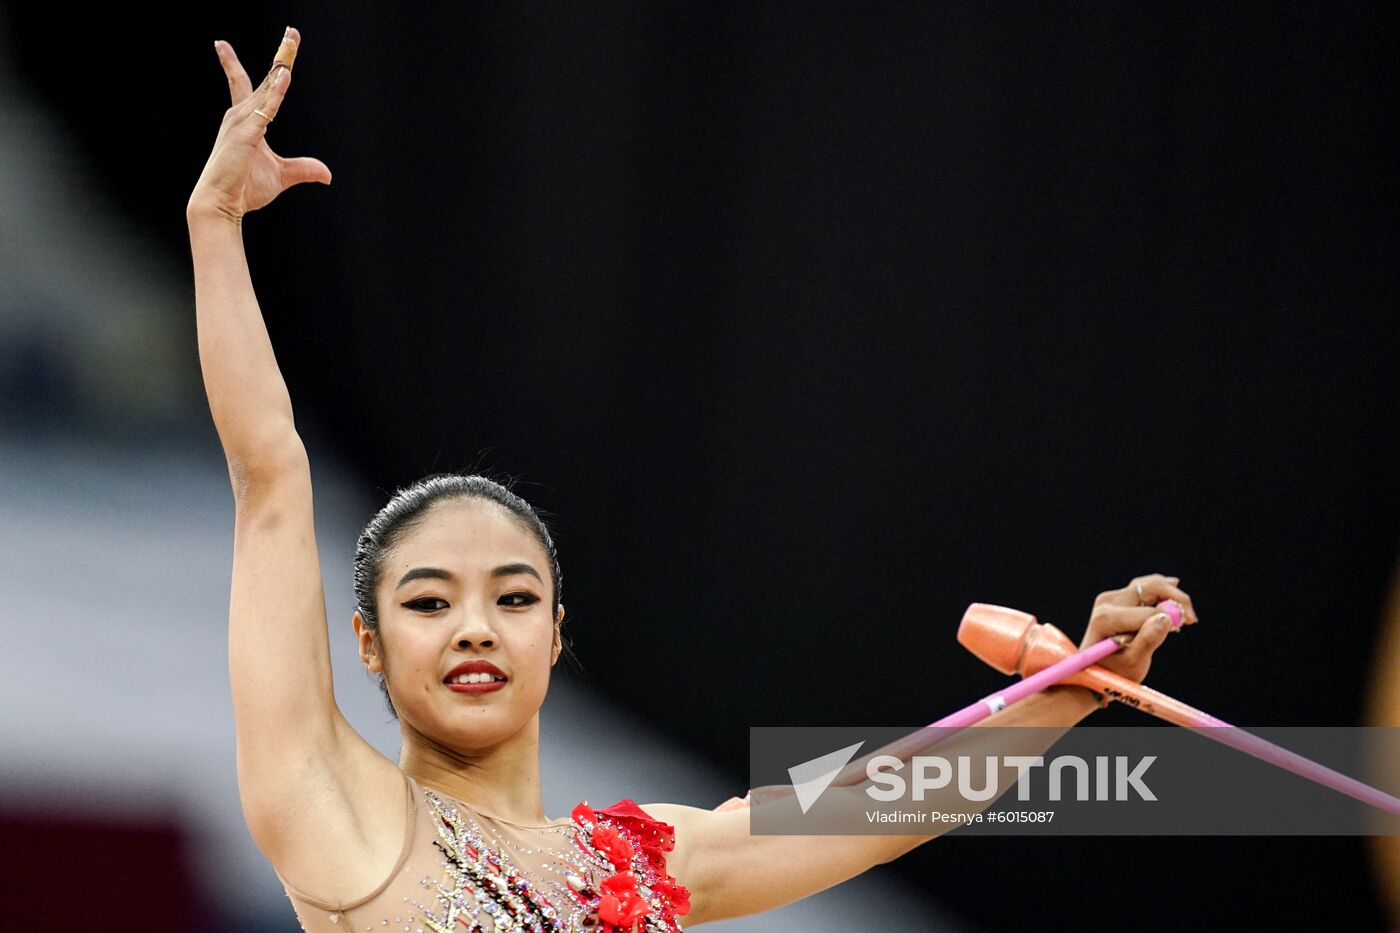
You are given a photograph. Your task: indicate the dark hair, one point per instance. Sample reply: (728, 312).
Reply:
(407, 508)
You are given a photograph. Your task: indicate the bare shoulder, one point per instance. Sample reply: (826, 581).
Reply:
(675, 814)
(341, 824)
(682, 816)
(695, 825)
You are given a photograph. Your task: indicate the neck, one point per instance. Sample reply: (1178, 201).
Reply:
(502, 780)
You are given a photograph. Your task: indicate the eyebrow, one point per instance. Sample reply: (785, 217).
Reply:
(506, 570)
(437, 573)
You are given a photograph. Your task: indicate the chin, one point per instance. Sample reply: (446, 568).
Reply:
(471, 728)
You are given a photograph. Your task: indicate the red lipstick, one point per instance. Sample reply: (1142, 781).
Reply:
(485, 677)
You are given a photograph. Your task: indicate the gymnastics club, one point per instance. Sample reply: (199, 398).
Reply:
(1013, 642)
(936, 732)
(990, 705)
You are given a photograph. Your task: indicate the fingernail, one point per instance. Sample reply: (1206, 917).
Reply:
(286, 32)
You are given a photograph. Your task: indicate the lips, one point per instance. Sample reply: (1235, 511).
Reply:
(476, 676)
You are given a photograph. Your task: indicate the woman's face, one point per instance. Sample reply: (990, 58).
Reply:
(467, 584)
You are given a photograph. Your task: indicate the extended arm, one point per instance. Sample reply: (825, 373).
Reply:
(247, 395)
(278, 651)
(302, 771)
(731, 872)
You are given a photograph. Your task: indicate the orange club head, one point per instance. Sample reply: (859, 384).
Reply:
(1012, 641)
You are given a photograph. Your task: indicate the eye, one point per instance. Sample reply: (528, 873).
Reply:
(518, 599)
(426, 604)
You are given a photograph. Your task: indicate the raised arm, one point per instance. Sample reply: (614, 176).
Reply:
(300, 766)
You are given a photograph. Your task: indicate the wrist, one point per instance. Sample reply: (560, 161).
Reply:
(1081, 700)
(207, 213)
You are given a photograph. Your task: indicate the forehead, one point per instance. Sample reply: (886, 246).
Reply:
(466, 533)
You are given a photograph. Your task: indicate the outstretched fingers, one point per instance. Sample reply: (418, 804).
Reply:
(243, 173)
(264, 101)
(268, 97)
(274, 87)
(239, 86)
(287, 51)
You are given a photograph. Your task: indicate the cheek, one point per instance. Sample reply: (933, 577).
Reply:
(542, 640)
(407, 651)
(536, 652)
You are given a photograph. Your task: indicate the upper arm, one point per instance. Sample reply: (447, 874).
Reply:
(732, 873)
(300, 765)
(279, 652)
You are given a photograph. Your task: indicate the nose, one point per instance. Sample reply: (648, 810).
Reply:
(475, 629)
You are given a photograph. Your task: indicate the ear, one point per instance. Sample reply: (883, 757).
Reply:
(369, 645)
(558, 646)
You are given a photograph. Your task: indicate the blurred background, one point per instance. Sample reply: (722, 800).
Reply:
(809, 323)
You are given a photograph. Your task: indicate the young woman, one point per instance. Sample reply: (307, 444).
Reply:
(458, 591)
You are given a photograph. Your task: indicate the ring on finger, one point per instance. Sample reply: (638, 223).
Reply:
(268, 118)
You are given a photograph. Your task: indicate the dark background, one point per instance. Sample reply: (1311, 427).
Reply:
(814, 323)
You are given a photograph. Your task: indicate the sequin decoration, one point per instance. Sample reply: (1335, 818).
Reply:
(638, 894)
(481, 890)
(604, 864)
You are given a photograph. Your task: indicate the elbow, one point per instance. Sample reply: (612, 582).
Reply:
(268, 465)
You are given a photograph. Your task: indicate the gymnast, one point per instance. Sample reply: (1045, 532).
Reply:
(457, 585)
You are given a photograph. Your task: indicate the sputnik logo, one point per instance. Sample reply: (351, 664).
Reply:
(811, 778)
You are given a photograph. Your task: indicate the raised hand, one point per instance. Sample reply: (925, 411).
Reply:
(243, 173)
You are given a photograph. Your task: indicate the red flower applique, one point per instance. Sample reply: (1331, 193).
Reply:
(617, 833)
(613, 845)
(621, 904)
